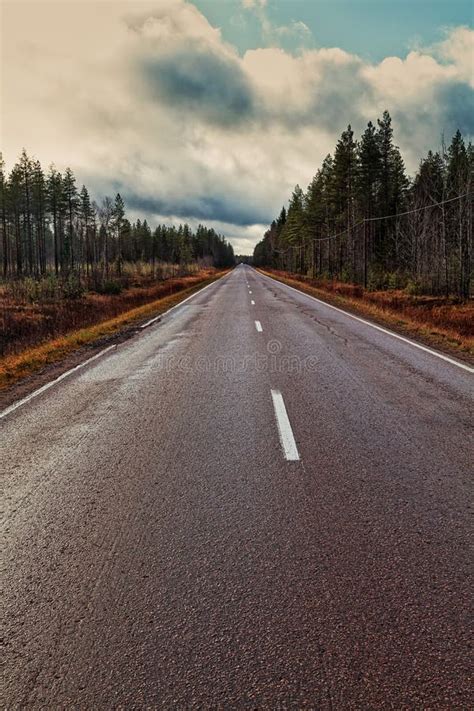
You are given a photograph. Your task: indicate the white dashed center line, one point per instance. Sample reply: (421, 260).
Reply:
(287, 439)
(252, 302)
(258, 326)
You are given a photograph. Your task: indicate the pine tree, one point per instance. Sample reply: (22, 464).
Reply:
(3, 216)
(71, 200)
(314, 212)
(39, 214)
(385, 144)
(368, 171)
(292, 233)
(26, 170)
(87, 220)
(106, 212)
(15, 202)
(55, 205)
(343, 188)
(392, 193)
(458, 182)
(118, 217)
(186, 246)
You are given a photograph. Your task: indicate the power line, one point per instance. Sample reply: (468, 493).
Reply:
(417, 209)
(375, 219)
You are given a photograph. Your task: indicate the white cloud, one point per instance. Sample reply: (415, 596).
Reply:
(254, 3)
(458, 50)
(296, 27)
(296, 32)
(146, 97)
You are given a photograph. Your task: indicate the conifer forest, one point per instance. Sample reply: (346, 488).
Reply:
(363, 220)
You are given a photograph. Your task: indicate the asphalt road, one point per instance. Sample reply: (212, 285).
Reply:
(222, 515)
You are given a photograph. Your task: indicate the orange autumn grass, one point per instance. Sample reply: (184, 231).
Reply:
(16, 366)
(441, 323)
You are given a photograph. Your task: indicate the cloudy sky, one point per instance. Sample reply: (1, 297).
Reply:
(212, 110)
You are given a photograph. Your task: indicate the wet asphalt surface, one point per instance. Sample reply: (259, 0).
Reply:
(160, 552)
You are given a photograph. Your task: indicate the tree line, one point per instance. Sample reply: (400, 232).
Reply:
(50, 225)
(363, 219)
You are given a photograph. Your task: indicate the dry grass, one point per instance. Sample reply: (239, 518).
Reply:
(25, 322)
(31, 359)
(441, 322)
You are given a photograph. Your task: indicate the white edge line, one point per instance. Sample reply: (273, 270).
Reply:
(378, 328)
(258, 326)
(156, 318)
(45, 387)
(285, 432)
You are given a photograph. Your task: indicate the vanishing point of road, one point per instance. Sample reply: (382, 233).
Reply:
(257, 502)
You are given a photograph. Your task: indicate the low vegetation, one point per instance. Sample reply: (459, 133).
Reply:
(35, 310)
(36, 333)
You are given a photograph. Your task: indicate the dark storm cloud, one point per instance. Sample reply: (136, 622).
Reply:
(198, 80)
(217, 90)
(423, 126)
(456, 102)
(216, 207)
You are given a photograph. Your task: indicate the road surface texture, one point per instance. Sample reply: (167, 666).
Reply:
(257, 503)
